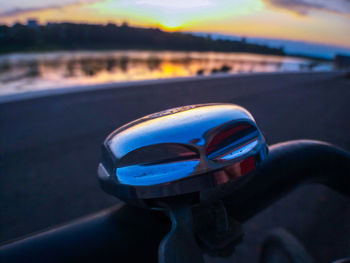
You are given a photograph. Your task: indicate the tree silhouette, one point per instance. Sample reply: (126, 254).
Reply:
(70, 36)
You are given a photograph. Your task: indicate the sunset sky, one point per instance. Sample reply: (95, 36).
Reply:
(320, 21)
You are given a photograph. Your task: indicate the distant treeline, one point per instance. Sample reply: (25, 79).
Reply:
(68, 36)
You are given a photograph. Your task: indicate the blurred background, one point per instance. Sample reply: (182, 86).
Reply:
(72, 71)
(45, 45)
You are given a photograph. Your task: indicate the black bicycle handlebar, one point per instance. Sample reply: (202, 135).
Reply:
(289, 165)
(131, 234)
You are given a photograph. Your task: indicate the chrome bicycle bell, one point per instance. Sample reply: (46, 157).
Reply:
(180, 151)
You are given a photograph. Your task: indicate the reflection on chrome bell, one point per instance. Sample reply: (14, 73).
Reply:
(182, 150)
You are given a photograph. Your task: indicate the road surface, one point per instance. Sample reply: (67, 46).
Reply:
(50, 148)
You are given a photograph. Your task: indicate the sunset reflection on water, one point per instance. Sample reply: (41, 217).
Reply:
(26, 72)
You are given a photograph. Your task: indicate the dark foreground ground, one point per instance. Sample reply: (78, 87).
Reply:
(50, 149)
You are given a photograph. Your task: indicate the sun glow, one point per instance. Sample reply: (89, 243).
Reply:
(171, 25)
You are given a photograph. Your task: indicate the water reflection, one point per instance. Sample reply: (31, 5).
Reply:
(153, 63)
(33, 69)
(70, 71)
(23, 72)
(111, 64)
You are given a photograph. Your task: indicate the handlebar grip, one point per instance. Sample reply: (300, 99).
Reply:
(288, 165)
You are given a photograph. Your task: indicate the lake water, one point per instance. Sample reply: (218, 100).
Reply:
(38, 71)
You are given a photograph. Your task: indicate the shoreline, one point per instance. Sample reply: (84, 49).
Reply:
(107, 49)
(28, 95)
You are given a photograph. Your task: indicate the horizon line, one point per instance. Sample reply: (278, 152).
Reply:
(177, 30)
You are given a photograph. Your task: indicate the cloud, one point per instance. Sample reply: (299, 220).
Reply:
(19, 11)
(303, 7)
(10, 12)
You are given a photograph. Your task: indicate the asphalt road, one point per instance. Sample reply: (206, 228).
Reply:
(50, 148)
